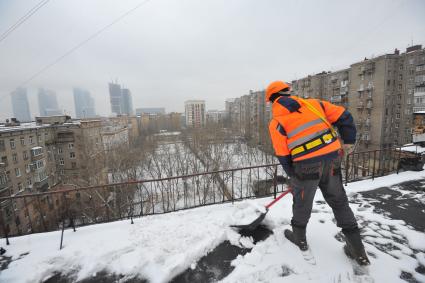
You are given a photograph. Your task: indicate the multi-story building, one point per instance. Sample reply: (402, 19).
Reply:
(115, 96)
(84, 104)
(127, 102)
(215, 117)
(28, 165)
(48, 103)
(20, 106)
(195, 113)
(381, 93)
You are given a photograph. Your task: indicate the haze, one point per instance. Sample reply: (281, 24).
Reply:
(169, 51)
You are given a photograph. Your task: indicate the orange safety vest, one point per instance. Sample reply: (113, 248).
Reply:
(297, 131)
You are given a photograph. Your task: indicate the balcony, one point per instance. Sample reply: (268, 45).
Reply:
(369, 105)
(37, 153)
(367, 122)
(369, 96)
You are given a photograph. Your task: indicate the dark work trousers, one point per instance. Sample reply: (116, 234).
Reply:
(327, 176)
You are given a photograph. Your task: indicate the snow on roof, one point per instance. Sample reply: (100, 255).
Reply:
(22, 126)
(419, 112)
(159, 247)
(413, 148)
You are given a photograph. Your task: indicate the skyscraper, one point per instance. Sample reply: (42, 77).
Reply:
(84, 104)
(48, 103)
(127, 102)
(121, 101)
(115, 98)
(21, 109)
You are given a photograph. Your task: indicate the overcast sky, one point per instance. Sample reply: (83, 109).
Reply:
(169, 51)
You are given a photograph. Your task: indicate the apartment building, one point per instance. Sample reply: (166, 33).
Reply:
(50, 153)
(195, 113)
(381, 93)
(27, 165)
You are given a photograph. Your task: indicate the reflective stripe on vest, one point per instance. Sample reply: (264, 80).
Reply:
(306, 138)
(303, 127)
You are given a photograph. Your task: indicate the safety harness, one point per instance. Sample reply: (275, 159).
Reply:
(328, 137)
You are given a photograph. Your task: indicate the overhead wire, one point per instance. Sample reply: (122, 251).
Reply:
(80, 44)
(23, 19)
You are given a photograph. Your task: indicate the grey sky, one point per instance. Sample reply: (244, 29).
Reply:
(169, 51)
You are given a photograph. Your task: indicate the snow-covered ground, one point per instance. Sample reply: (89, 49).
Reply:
(159, 247)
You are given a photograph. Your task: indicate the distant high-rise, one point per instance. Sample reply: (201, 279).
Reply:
(48, 103)
(115, 97)
(127, 102)
(21, 109)
(84, 104)
(121, 101)
(195, 113)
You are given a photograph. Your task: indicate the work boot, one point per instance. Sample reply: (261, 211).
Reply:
(297, 236)
(354, 247)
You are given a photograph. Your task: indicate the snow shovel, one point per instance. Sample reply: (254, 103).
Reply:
(254, 224)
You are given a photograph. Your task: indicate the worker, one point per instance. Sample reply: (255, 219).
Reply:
(310, 152)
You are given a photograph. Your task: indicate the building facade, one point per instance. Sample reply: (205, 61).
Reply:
(195, 113)
(121, 99)
(20, 105)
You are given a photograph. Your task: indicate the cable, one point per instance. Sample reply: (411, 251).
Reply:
(79, 45)
(23, 19)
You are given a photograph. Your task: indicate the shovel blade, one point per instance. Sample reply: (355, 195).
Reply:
(253, 225)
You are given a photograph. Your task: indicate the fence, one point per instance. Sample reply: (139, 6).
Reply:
(79, 206)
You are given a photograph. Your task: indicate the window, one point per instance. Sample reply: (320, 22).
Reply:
(4, 160)
(408, 101)
(61, 161)
(27, 168)
(25, 155)
(15, 158)
(70, 145)
(39, 164)
(400, 77)
(396, 125)
(39, 138)
(36, 151)
(388, 82)
(2, 146)
(400, 86)
(411, 61)
(72, 155)
(17, 172)
(3, 179)
(397, 115)
(20, 188)
(73, 165)
(60, 150)
(12, 144)
(31, 141)
(29, 182)
(22, 141)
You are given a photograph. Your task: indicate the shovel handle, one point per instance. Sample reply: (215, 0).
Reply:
(278, 198)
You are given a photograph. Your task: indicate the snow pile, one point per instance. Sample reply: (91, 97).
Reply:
(157, 248)
(246, 212)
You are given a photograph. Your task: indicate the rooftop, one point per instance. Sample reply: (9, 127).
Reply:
(192, 243)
